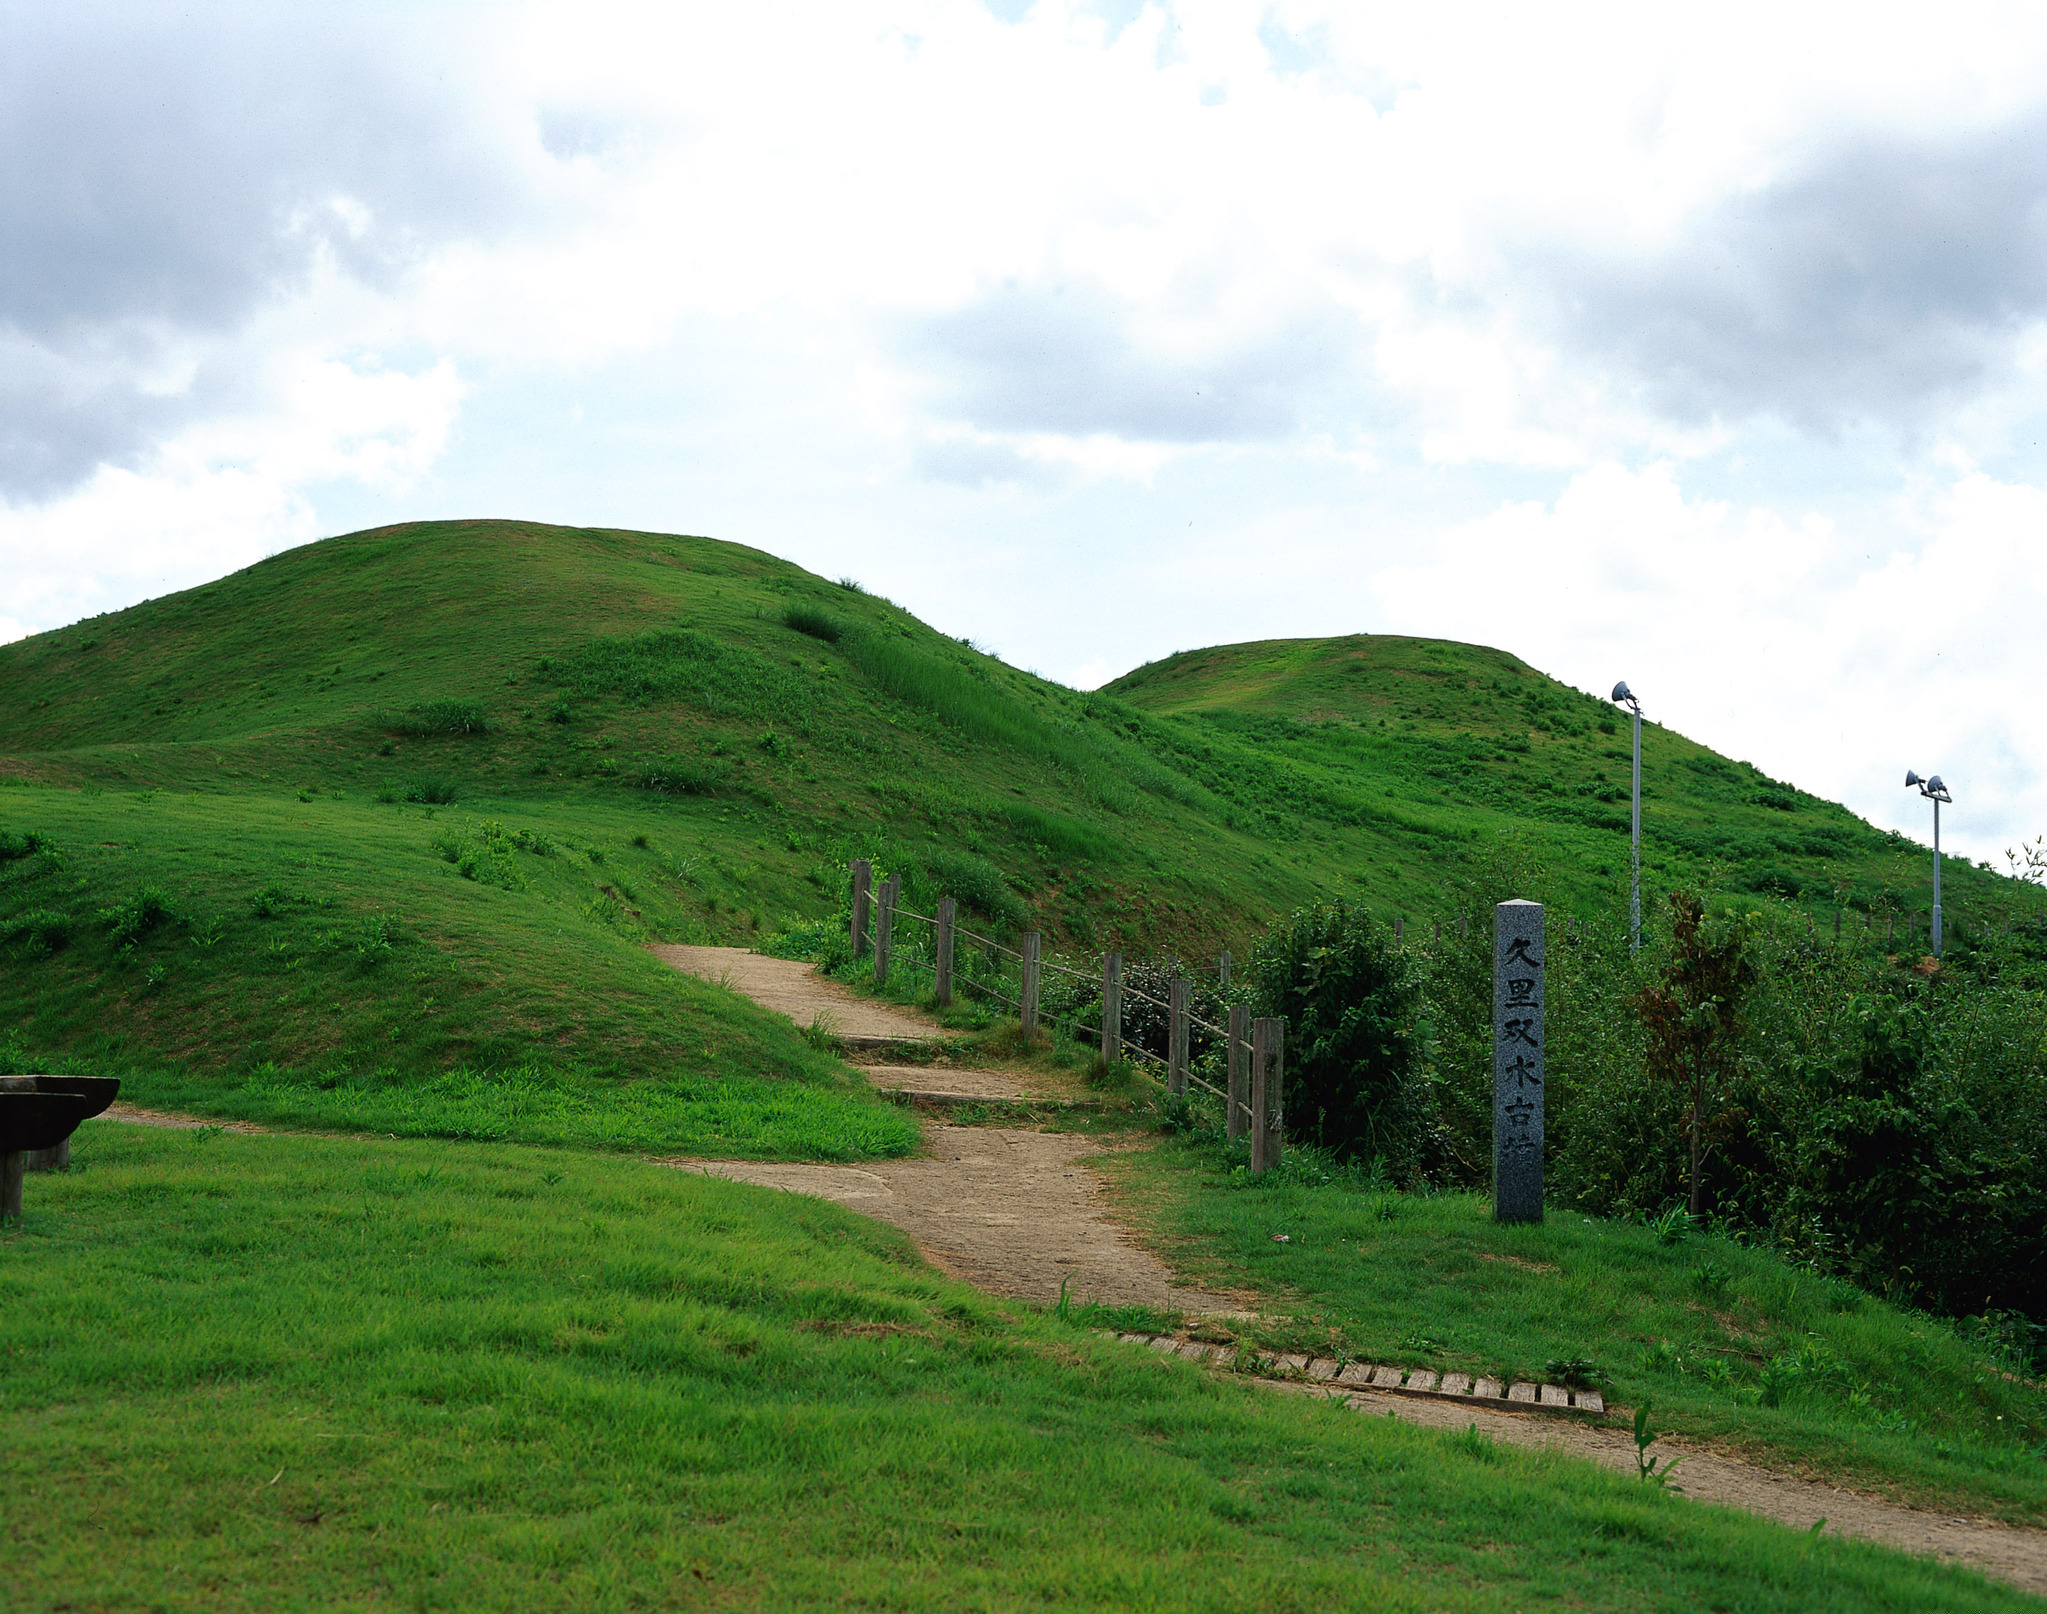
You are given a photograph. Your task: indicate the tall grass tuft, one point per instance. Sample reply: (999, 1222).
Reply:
(426, 719)
(680, 776)
(809, 619)
(973, 705)
(682, 663)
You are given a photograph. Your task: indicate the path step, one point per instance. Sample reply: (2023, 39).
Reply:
(1519, 1396)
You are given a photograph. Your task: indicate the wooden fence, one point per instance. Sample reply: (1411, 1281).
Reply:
(1254, 1101)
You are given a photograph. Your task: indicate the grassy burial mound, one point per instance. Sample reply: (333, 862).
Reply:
(402, 806)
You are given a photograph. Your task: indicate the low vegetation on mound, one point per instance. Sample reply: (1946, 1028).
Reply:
(247, 1372)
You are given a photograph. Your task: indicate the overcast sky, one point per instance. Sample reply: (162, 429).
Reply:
(1705, 349)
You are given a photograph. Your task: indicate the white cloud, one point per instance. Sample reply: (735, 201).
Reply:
(1707, 353)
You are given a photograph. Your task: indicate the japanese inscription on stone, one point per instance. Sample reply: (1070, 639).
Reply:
(1518, 952)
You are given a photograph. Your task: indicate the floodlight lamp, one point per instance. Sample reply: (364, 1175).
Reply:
(1936, 789)
(1912, 779)
(1621, 692)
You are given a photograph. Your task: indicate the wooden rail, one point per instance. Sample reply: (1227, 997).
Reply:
(1255, 1050)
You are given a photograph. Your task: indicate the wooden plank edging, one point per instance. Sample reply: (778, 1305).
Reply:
(1421, 1383)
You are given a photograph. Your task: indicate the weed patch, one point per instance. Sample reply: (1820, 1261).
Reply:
(428, 719)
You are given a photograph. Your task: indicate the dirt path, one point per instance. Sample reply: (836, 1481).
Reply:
(2000, 1550)
(1010, 1211)
(134, 1115)
(793, 988)
(797, 990)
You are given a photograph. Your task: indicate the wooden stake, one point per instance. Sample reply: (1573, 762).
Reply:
(1240, 1059)
(1268, 1066)
(1176, 1039)
(1112, 1007)
(1224, 970)
(1028, 997)
(946, 909)
(11, 1169)
(863, 876)
(885, 925)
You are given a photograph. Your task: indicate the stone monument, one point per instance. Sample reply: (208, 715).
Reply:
(1518, 953)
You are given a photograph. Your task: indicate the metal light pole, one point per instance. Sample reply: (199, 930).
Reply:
(1936, 792)
(1626, 697)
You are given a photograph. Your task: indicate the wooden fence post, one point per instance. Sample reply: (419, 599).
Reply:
(1176, 1039)
(1027, 998)
(863, 875)
(885, 925)
(946, 909)
(11, 1168)
(1240, 1049)
(1225, 971)
(1400, 930)
(1268, 1080)
(1112, 1007)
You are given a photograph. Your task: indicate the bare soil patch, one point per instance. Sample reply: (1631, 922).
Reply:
(794, 988)
(135, 1115)
(940, 1081)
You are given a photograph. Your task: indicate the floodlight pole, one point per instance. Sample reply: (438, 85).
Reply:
(1936, 876)
(1936, 792)
(1626, 697)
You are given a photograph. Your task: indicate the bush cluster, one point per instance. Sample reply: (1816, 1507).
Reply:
(1879, 1117)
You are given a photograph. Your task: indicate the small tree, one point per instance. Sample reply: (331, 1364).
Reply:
(1693, 1015)
(1350, 1000)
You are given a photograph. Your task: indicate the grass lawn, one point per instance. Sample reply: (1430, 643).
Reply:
(1730, 1345)
(287, 1372)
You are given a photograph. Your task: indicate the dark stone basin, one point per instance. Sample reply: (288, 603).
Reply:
(98, 1091)
(38, 1114)
(30, 1121)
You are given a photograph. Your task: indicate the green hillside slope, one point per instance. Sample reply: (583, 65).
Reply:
(409, 802)
(1468, 742)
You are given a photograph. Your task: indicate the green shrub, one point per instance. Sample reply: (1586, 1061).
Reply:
(425, 719)
(485, 857)
(374, 937)
(269, 902)
(128, 922)
(1351, 1001)
(809, 619)
(434, 789)
(26, 844)
(39, 931)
